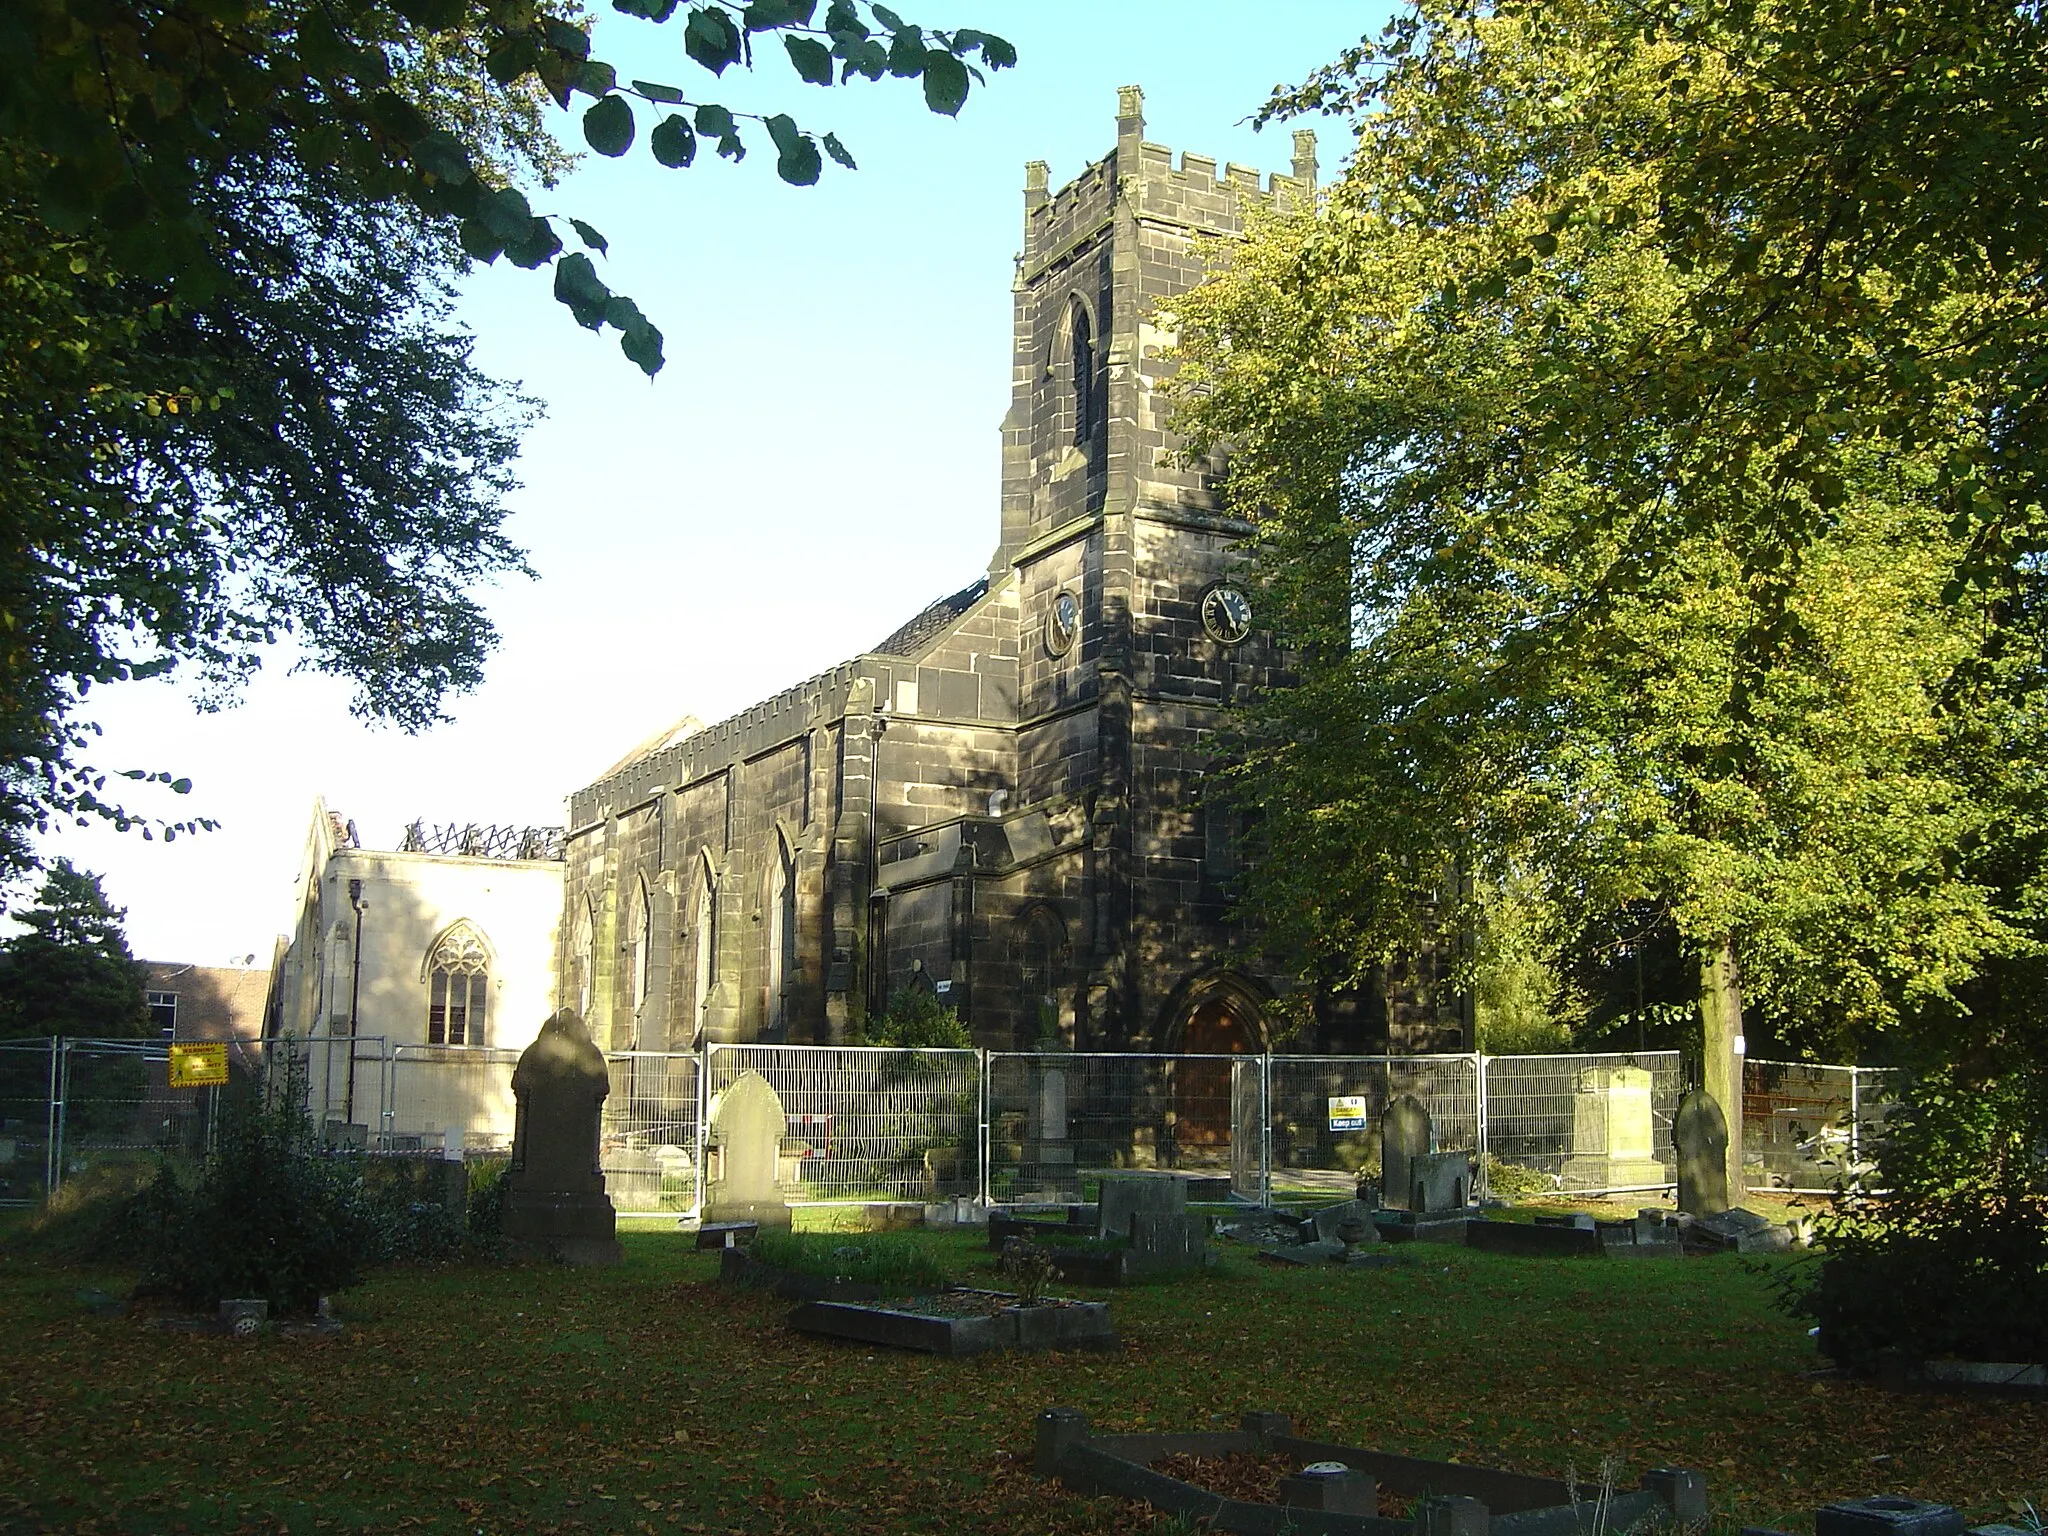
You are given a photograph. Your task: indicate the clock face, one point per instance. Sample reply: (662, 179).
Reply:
(1226, 614)
(1062, 622)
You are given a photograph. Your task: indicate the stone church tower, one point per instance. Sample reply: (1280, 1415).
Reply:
(1003, 801)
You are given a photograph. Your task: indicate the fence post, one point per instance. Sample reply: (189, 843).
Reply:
(57, 1115)
(50, 1102)
(1266, 1129)
(703, 1115)
(1855, 1116)
(1479, 1184)
(984, 1187)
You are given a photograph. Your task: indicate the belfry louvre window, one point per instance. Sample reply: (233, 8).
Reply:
(459, 981)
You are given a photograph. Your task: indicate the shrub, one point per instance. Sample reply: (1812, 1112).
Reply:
(1951, 1259)
(484, 1221)
(1511, 1181)
(917, 1020)
(271, 1213)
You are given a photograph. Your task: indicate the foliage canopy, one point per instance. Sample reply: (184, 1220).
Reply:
(1641, 439)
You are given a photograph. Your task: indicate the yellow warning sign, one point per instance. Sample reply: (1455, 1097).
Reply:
(199, 1064)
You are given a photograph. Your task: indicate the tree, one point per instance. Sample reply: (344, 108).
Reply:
(68, 972)
(235, 408)
(1637, 474)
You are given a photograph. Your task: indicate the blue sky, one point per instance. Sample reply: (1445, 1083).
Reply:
(817, 461)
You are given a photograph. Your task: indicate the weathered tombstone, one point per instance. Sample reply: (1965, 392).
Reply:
(1612, 1141)
(555, 1204)
(1700, 1136)
(743, 1155)
(1125, 1192)
(1404, 1137)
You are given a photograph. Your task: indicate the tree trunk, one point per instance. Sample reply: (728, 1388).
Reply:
(1721, 1032)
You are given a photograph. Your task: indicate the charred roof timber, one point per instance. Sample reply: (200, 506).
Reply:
(473, 840)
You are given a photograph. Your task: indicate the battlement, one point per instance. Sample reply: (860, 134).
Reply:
(1191, 193)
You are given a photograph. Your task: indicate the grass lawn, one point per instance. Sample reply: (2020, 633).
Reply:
(649, 1398)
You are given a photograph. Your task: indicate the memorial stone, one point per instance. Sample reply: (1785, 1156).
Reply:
(555, 1201)
(1404, 1137)
(743, 1155)
(1126, 1191)
(1700, 1136)
(1612, 1142)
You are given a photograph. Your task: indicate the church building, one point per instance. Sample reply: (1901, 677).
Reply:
(1003, 801)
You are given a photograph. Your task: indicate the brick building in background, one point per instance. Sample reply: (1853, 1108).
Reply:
(1004, 800)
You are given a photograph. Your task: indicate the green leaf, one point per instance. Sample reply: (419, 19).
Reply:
(668, 95)
(608, 126)
(564, 38)
(712, 40)
(507, 213)
(843, 16)
(672, 142)
(433, 15)
(767, 15)
(181, 786)
(596, 78)
(441, 154)
(642, 343)
(945, 82)
(838, 152)
(796, 160)
(537, 246)
(871, 60)
(478, 240)
(997, 52)
(511, 57)
(589, 236)
(578, 286)
(1544, 245)
(715, 122)
(813, 60)
(907, 54)
(888, 18)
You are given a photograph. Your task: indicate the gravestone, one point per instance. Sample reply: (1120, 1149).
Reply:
(1612, 1142)
(1700, 1136)
(1125, 1192)
(1404, 1137)
(1046, 1148)
(555, 1204)
(743, 1155)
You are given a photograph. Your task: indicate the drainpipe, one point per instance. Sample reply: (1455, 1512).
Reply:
(355, 995)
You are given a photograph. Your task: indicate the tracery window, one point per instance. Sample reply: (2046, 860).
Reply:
(458, 986)
(1081, 358)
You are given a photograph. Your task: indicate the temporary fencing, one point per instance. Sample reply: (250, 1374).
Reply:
(868, 1123)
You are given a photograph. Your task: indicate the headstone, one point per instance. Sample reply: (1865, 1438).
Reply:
(1439, 1182)
(1404, 1136)
(1612, 1141)
(1348, 1222)
(1164, 1243)
(743, 1155)
(1123, 1192)
(1700, 1136)
(555, 1204)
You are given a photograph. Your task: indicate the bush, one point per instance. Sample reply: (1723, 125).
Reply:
(484, 1221)
(1512, 1182)
(917, 1020)
(1951, 1260)
(272, 1213)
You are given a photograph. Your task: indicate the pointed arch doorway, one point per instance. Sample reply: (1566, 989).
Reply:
(1214, 1017)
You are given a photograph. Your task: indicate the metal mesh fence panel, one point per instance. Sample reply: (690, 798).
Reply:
(649, 1148)
(433, 1089)
(1315, 1103)
(25, 1119)
(1057, 1120)
(866, 1122)
(1581, 1122)
(115, 1104)
(1806, 1126)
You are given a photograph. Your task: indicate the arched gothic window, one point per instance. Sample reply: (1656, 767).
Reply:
(1081, 360)
(643, 946)
(782, 966)
(586, 957)
(458, 988)
(706, 937)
